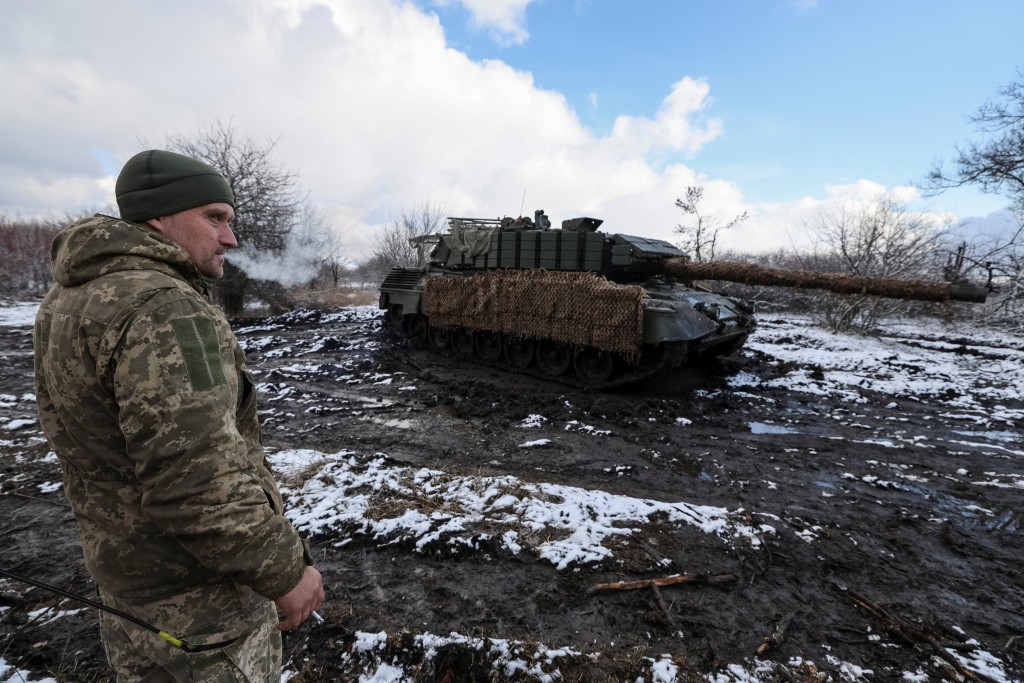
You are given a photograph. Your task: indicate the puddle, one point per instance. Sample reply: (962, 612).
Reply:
(991, 436)
(765, 428)
(948, 506)
(1005, 520)
(394, 424)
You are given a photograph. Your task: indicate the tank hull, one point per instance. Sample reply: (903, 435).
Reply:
(575, 327)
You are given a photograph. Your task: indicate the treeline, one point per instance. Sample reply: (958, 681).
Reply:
(880, 240)
(25, 255)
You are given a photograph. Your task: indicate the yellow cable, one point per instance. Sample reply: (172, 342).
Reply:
(171, 639)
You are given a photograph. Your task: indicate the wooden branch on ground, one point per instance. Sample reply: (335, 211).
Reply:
(775, 637)
(914, 635)
(662, 605)
(12, 600)
(41, 500)
(713, 579)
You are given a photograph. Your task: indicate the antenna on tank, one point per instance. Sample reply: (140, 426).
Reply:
(523, 203)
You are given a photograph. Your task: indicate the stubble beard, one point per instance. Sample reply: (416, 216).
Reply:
(215, 267)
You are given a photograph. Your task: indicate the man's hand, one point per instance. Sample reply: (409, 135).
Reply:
(301, 601)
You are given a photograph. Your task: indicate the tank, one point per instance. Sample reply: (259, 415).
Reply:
(586, 307)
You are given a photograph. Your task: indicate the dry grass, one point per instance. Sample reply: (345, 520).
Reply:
(393, 503)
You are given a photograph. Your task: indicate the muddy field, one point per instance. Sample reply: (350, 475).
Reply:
(872, 524)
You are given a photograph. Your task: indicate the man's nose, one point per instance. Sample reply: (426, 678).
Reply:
(227, 237)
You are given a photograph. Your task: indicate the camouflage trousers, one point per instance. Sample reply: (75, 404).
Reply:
(233, 630)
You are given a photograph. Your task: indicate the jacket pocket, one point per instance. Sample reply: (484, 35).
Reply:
(246, 420)
(252, 657)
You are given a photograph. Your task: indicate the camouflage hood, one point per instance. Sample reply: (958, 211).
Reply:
(97, 246)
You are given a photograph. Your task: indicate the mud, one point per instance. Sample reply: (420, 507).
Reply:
(886, 560)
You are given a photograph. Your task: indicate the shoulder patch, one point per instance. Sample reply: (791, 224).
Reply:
(200, 349)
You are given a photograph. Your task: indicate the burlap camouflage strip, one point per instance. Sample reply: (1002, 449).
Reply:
(583, 309)
(841, 283)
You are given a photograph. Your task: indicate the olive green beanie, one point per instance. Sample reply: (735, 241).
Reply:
(157, 183)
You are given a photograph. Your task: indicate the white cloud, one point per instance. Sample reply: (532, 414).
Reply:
(867, 191)
(505, 19)
(672, 127)
(787, 225)
(77, 192)
(994, 229)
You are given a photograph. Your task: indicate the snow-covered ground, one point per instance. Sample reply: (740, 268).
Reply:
(346, 492)
(20, 314)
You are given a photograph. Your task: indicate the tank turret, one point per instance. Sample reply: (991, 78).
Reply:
(588, 307)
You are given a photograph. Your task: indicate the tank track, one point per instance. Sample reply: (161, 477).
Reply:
(626, 374)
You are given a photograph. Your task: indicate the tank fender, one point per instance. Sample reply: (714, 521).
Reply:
(666, 321)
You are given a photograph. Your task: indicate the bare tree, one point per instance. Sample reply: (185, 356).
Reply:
(266, 199)
(333, 262)
(306, 242)
(996, 163)
(373, 270)
(1000, 262)
(321, 242)
(699, 234)
(881, 240)
(1008, 307)
(25, 253)
(394, 244)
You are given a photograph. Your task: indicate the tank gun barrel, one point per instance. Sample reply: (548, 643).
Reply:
(752, 274)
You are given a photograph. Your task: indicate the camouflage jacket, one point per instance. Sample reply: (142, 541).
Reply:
(143, 394)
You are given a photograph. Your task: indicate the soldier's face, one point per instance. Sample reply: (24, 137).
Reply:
(204, 232)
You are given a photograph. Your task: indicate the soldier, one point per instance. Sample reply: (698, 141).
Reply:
(143, 394)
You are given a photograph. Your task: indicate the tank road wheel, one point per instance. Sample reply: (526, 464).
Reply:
(418, 330)
(440, 337)
(462, 341)
(594, 366)
(652, 357)
(554, 358)
(488, 346)
(519, 351)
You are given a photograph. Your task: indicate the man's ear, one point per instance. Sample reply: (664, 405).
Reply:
(156, 223)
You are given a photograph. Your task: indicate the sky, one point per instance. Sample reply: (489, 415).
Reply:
(780, 108)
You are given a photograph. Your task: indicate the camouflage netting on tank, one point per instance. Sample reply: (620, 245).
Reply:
(575, 308)
(469, 241)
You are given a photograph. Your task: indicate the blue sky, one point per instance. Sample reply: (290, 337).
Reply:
(785, 109)
(809, 92)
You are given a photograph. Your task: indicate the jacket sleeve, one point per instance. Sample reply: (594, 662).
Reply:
(203, 484)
